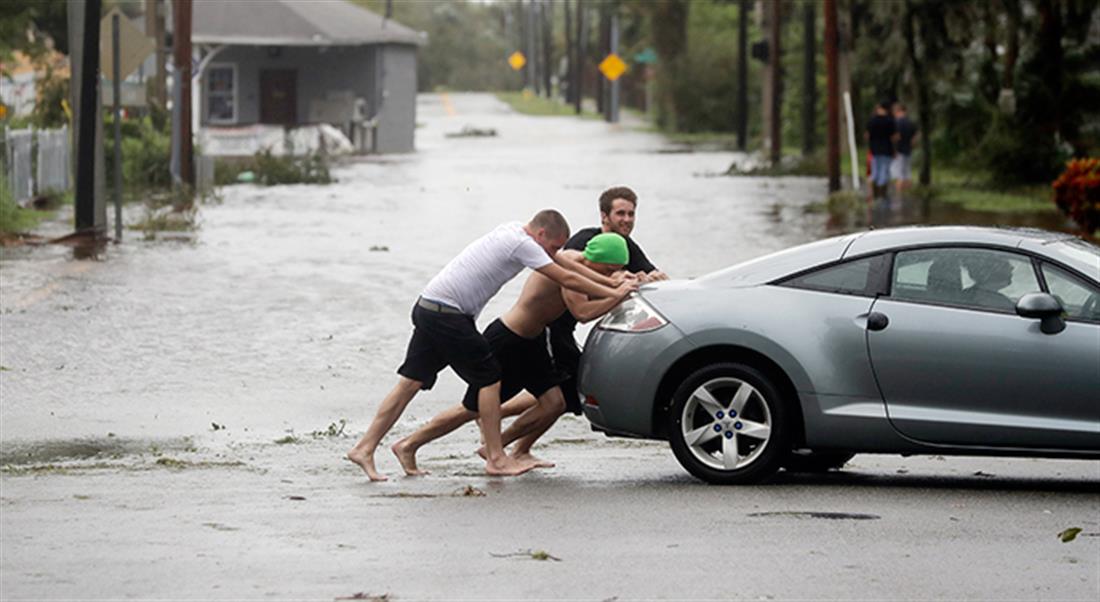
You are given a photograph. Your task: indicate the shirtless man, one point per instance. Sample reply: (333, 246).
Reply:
(445, 334)
(518, 342)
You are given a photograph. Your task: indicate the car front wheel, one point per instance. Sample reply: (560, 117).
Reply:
(729, 425)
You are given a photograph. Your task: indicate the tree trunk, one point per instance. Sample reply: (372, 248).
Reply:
(570, 53)
(1012, 43)
(924, 101)
(743, 75)
(669, 24)
(547, 49)
(809, 78)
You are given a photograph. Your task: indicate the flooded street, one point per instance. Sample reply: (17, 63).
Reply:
(175, 413)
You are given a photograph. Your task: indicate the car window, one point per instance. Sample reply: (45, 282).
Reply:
(978, 278)
(1079, 300)
(857, 277)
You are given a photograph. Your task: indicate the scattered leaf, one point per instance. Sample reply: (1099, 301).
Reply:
(1069, 534)
(469, 491)
(296, 498)
(983, 474)
(383, 248)
(285, 440)
(217, 427)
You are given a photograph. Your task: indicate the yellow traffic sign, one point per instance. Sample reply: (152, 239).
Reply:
(134, 46)
(612, 67)
(517, 60)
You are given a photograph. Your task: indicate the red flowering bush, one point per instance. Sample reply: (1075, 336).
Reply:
(1077, 193)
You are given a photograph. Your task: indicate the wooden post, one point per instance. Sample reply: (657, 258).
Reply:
(578, 72)
(182, 41)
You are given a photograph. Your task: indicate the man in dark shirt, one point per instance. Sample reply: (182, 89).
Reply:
(879, 135)
(617, 213)
(907, 134)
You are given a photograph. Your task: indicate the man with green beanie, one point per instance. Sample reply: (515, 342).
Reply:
(518, 342)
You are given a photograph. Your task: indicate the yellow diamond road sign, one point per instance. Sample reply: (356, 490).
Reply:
(517, 60)
(612, 67)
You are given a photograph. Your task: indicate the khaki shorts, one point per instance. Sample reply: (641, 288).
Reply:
(901, 167)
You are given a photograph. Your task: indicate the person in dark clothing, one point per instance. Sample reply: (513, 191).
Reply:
(906, 135)
(617, 214)
(879, 135)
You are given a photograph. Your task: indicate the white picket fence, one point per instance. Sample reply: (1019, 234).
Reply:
(36, 161)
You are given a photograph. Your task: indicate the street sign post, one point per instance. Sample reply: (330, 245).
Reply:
(134, 46)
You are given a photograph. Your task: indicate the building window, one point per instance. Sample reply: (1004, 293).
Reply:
(221, 93)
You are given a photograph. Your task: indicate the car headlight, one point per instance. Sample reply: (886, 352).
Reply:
(632, 315)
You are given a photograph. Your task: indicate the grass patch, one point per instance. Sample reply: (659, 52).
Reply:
(973, 191)
(528, 103)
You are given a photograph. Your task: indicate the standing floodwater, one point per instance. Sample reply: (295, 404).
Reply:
(175, 414)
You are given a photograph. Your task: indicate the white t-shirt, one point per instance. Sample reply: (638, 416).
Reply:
(478, 272)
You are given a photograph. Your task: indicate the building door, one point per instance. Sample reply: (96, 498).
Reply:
(279, 96)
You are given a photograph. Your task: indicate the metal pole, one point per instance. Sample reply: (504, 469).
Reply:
(89, 77)
(613, 110)
(116, 88)
(832, 97)
(852, 140)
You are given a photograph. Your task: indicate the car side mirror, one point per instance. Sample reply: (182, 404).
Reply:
(1044, 307)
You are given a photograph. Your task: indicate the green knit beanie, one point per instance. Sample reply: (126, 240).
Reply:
(607, 248)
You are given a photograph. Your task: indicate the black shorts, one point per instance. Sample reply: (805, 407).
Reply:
(440, 340)
(524, 363)
(567, 361)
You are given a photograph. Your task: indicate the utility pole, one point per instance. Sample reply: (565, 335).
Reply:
(832, 97)
(775, 56)
(182, 59)
(90, 212)
(578, 71)
(743, 75)
(613, 43)
(809, 77)
(116, 83)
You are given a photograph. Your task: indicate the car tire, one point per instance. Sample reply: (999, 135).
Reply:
(724, 448)
(814, 461)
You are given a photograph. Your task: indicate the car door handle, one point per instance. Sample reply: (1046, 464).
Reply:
(877, 321)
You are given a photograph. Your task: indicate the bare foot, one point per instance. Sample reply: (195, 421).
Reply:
(366, 462)
(407, 458)
(507, 466)
(481, 452)
(538, 462)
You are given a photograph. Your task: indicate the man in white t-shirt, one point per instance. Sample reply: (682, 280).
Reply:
(445, 333)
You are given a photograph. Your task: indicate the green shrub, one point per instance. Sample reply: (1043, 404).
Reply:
(309, 169)
(13, 218)
(146, 153)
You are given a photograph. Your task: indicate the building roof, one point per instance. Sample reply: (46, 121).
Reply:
(295, 23)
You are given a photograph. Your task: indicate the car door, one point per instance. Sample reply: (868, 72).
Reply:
(957, 366)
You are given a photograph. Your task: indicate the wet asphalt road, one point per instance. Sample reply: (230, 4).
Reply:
(143, 395)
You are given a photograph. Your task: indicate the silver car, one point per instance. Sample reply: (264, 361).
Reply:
(939, 340)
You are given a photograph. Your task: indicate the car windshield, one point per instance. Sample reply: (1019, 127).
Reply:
(1079, 254)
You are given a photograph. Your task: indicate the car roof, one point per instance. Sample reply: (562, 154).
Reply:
(879, 240)
(1059, 246)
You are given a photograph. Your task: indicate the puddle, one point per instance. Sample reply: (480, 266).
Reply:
(53, 451)
(820, 515)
